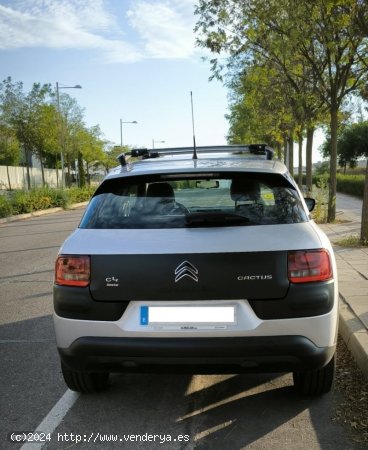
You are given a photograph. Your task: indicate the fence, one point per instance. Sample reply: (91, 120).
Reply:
(18, 177)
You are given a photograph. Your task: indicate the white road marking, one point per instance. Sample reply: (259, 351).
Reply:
(53, 418)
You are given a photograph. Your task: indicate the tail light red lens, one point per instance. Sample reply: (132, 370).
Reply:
(72, 270)
(307, 266)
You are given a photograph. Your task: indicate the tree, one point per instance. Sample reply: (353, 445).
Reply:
(89, 145)
(320, 37)
(46, 135)
(354, 141)
(111, 153)
(70, 122)
(21, 111)
(257, 110)
(9, 149)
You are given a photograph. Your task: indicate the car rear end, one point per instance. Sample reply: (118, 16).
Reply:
(221, 271)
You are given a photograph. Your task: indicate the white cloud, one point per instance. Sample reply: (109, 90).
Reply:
(64, 24)
(165, 27)
(162, 28)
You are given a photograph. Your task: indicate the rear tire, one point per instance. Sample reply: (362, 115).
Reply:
(84, 382)
(315, 382)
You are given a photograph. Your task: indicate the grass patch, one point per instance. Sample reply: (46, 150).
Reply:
(351, 241)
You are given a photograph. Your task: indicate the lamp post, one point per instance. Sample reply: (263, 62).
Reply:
(157, 142)
(77, 86)
(121, 131)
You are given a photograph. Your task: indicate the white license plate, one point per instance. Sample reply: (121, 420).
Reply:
(151, 315)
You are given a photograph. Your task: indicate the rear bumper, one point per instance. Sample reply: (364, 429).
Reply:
(196, 355)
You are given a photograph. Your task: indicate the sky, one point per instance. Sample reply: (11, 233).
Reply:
(136, 60)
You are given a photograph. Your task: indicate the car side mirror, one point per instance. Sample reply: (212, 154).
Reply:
(311, 203)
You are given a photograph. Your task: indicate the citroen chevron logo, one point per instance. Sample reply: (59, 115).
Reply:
(186, 269)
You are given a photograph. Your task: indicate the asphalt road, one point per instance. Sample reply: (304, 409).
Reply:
(207, 412)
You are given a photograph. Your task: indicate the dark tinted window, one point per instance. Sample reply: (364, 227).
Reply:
(178, 201)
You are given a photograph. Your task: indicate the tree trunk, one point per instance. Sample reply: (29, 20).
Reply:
(278, 151)
(26, 153)
(291, 155)
(88, 176)
(364, 226)
(81, 172)
(42, 172)
(286, 159)
(69, 182)
(7, 172)
(309, 181)
(300, 160)
(57, 172)
(331, 214)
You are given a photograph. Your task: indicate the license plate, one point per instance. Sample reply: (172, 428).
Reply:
(201, 315)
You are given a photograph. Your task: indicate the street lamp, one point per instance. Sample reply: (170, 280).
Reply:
(157, 142)
(77, 86)
(121, 131)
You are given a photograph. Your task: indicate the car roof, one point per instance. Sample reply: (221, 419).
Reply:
(210, 159)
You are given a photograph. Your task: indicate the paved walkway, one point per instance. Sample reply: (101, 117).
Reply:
(352, 264)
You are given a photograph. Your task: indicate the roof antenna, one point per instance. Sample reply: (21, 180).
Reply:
(194, 141)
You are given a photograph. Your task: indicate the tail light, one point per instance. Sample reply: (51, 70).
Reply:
(306, 266)
(72, 270)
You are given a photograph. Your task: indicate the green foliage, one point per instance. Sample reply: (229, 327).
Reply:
(9, 146)
(45, 128)
(5, 206)
(346, 184)
(20, 202)
(111, 154)
(323, 168)
(35, 199)
(78, 195)
(352, 143)
(321, 195)
(318, 51)
(351, 184)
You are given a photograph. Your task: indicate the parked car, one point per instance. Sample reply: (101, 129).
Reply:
(204, 261)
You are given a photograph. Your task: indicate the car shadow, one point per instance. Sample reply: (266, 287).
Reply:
(256, 411)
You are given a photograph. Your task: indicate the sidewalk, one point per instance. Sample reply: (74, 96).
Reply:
(352, 264)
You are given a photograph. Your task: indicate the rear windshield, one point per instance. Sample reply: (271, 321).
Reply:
(184, 201)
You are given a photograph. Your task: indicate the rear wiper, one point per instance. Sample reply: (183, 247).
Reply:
(214, 218)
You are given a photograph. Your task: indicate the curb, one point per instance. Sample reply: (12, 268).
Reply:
(42, 212)
(355, 335)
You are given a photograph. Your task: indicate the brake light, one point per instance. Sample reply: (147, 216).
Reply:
(306, 266)
(72, 270)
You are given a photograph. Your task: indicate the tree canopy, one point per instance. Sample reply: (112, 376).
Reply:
(34, 123)
(313, 54)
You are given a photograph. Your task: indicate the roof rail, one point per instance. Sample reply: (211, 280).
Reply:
(251, 149)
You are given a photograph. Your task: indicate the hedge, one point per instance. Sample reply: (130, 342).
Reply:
(351, 184)
(19, 202)
(346, 184)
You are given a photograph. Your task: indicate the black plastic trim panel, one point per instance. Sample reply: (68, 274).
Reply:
(77, 303)
(302, 300)
(196, 355)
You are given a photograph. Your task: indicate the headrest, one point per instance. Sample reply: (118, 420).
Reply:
(164, 190)
(243, 189)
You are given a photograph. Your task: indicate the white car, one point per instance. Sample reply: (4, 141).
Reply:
(207, 262)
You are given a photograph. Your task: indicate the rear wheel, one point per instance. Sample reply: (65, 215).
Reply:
(84, 382)
(315, 382)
